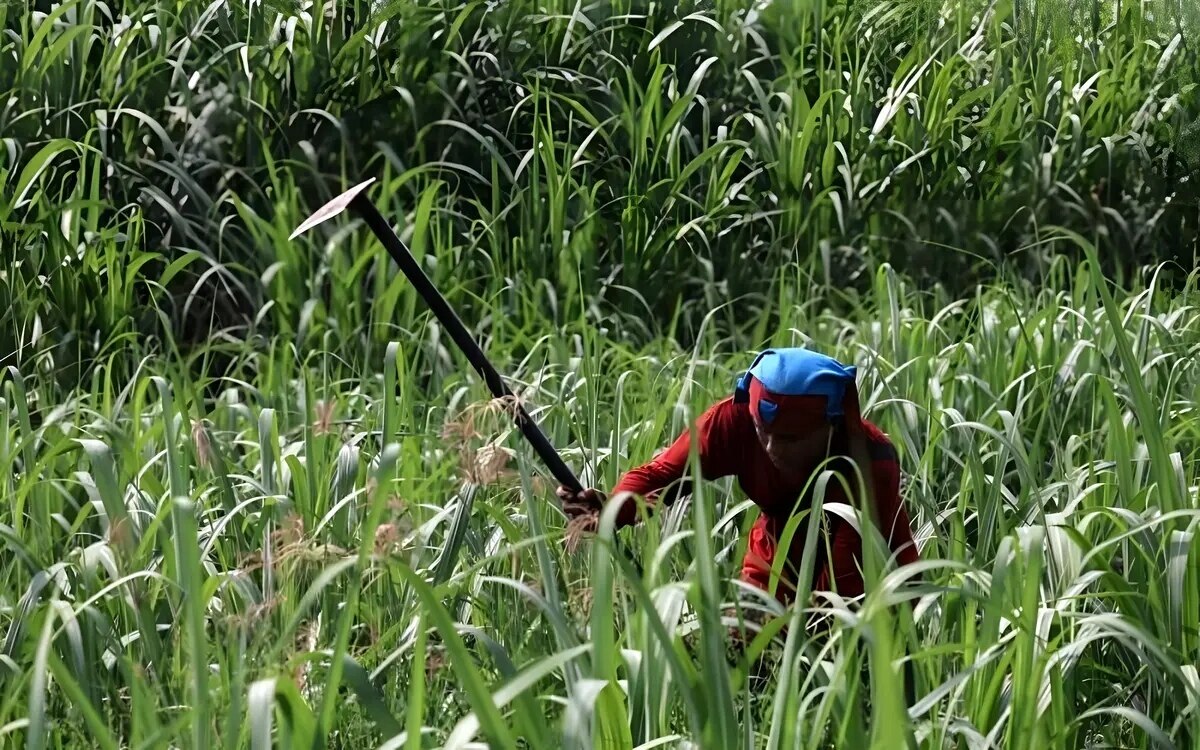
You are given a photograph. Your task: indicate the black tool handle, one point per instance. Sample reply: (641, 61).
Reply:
(458, 332)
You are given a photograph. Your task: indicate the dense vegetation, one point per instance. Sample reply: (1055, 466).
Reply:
(253, 495)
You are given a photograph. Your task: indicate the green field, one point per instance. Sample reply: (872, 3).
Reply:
(254, 496)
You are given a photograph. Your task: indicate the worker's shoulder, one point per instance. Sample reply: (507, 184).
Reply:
(729, 414)
(879, 445)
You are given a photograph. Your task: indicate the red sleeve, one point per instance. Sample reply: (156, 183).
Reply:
(718, 450)
(842, 570)
(893, 516)
(846, 543)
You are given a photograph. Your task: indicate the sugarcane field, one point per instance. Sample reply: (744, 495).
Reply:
(600, 374)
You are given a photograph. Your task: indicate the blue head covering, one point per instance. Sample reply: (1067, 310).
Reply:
(798, 372)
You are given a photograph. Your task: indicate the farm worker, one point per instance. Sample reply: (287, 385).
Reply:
(789, 413)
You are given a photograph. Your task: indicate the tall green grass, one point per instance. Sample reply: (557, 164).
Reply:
(254, 498)
(303, 560)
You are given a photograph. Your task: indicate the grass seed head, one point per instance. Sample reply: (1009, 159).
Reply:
(491, 463)
(325, 410)
(201, 444)
(387, 538)
(579, 528)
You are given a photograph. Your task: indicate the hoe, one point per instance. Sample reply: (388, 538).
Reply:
(357, 201)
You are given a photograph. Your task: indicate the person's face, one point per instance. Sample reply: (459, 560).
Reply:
(792, 450)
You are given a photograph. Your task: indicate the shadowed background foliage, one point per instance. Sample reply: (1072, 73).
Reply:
(632, 161)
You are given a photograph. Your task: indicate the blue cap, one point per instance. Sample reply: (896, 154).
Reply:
(798, 372)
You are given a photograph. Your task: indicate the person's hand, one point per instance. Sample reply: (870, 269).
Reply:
(581, 504)
(583, 513)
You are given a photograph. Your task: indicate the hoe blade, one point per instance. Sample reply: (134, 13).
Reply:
(331, 209)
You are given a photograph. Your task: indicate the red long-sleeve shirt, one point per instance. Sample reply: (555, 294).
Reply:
(728, 445)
